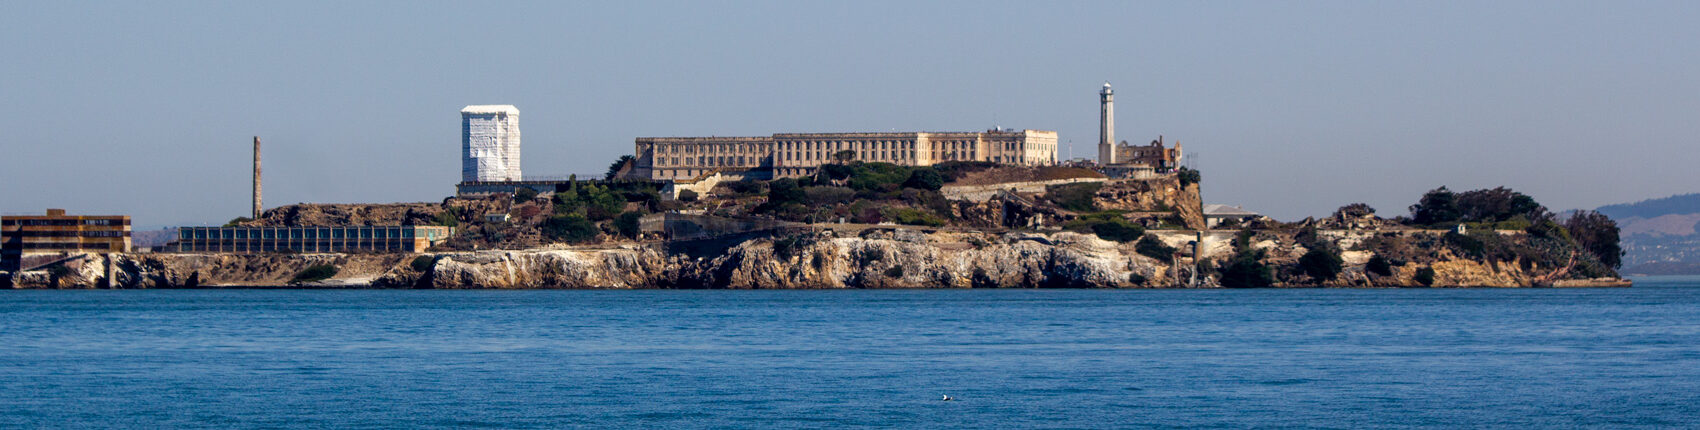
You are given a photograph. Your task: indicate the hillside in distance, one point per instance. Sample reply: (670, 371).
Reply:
(1660, 236)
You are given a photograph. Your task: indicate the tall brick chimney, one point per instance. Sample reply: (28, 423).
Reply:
(256, 177)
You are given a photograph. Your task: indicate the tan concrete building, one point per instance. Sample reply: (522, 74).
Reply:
(57, 233)
(799, 154)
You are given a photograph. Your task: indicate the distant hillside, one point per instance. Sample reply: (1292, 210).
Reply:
(1660, 236)
(1678, 204)
(152, 238)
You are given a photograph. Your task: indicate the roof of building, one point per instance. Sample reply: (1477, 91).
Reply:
(1227, 211)
(507, 109)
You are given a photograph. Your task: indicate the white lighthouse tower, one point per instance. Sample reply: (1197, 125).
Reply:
(1106, 126)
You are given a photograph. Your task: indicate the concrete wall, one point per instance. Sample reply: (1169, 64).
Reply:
(981, 193)
(682, 226)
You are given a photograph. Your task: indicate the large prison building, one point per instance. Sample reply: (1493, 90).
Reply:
(799, 154)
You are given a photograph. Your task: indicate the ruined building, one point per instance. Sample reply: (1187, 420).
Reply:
(1121, 158)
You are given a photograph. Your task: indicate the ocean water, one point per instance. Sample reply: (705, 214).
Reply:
(1328, 358)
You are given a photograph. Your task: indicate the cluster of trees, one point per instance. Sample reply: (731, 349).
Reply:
(1504, 209)
(578, 208)
(1491, 206)
(860, 192)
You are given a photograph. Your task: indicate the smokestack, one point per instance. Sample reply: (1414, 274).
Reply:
(256, 177)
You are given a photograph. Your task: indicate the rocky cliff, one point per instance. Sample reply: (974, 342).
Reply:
(874, 258)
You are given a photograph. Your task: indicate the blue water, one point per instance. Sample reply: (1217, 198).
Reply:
(735, 359)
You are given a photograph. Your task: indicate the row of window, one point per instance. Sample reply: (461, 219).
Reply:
(706, 161)
(840, 145)
(307, 233)
(712, 147)
(66, 245)
(308, 246)
(64, 222)
(70, 233)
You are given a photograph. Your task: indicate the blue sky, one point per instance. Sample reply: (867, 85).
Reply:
(1292, 108)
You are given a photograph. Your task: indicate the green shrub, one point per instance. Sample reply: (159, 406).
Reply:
(1242, 240)
(1118, 230)
(629, 224)
(829, 195)
(791, 246)
(925, 179)
(744, 188)
(422, 263)
(589, 200)
(315, 273)
(236, 222)
(882, 177)
(687, 196)
(449, 217)
(524, 194)
(1150, 246)
(1188, 176)
(954, 170)
(1075, 197)
(909, 216)
(1108, 225)
(1246, 270)
(569, 228)
(1379, 265)
(785, 191)
(1321, 263)
(1425, 276)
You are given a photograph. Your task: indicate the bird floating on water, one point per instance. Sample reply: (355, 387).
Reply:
(947, 398)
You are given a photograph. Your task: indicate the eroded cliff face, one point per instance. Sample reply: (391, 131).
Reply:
(907, 259)
(876, 258)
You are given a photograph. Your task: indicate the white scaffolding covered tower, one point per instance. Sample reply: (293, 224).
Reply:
(489, 143)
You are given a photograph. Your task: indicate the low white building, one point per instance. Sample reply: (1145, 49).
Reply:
(1215, 215)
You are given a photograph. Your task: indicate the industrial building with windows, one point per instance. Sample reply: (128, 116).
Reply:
(799, 154)
(245, 240)
(57, 233)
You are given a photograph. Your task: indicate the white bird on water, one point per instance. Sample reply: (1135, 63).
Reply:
(947, 398)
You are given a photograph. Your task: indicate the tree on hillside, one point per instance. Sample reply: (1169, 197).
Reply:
(1354, 210)
(1188, 176)
(524, 194)
(614, 169)
(1321, 263)
(844, 156)
(1246, 270)
(1598, 234)
(1498, 204)
(1439, 205)
(926, 179)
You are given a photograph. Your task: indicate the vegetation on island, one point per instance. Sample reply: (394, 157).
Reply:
(314, 273)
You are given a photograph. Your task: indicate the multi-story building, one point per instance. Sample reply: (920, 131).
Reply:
(799, 154)
(58, 233)
(489, 143)
(247, 240)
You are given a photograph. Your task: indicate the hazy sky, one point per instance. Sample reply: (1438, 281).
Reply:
(148, 108)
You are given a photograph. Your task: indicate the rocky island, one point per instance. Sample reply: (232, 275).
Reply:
(877, 225)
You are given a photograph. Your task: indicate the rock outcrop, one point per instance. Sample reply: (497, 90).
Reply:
(871, 258)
